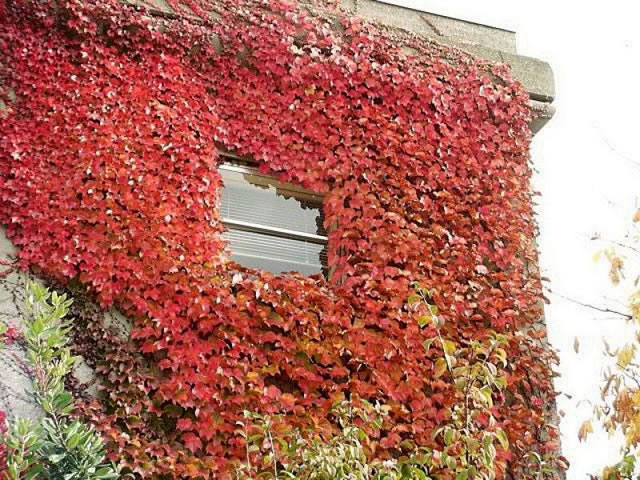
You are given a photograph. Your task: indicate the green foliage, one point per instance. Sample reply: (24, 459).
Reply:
(468, 442)
(290, 455)
(57, 447)
(476, 368)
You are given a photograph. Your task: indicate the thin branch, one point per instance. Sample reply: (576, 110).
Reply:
(627, 316)
(619, 153)
(620, 244)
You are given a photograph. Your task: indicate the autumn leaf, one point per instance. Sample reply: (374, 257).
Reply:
(585, 429)
(440, 367)
(424, 320)
(625, 356)
(192, 442)
(449, 347)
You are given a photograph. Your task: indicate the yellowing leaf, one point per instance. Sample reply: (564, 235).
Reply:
(502, 356)
(485, 392)
(585, 430)
(449, 347)
(413, 299)
(462, 475)
(502, 438)
(625, 356)
(440, 367)
(424, 320)
(597, 255)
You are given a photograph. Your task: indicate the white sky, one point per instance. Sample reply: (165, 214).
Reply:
(586, 186)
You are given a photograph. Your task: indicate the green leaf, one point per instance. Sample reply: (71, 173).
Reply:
(502, 438)
(501, 383)
(413, 299)
(34, 472)
(56, 458)
(105, 473)
(448, 436)
(487, 395)
(462, 475)
(417, 474)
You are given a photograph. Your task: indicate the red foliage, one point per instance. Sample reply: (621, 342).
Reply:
(108, 166)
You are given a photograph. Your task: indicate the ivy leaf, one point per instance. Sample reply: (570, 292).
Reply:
(192, 442)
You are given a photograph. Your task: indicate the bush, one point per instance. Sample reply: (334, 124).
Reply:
(56, 446)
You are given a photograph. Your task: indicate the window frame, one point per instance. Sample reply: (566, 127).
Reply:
(235, 163)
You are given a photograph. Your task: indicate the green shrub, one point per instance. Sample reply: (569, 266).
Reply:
(57, 447)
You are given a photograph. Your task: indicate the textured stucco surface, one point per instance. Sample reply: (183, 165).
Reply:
(15, 381)
(425, 23)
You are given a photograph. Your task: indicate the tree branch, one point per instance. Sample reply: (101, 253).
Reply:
(627, 316)
(620, 244)
(619, 153)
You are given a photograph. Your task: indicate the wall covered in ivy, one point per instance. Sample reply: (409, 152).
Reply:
(111, 122)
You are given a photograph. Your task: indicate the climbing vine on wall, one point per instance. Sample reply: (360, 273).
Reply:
(112, 116)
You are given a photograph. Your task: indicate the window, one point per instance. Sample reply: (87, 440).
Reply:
(270, 225)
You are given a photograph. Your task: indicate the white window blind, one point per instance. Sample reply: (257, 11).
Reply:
(272, 226)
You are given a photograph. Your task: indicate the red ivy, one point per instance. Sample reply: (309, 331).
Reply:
(108, 166)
